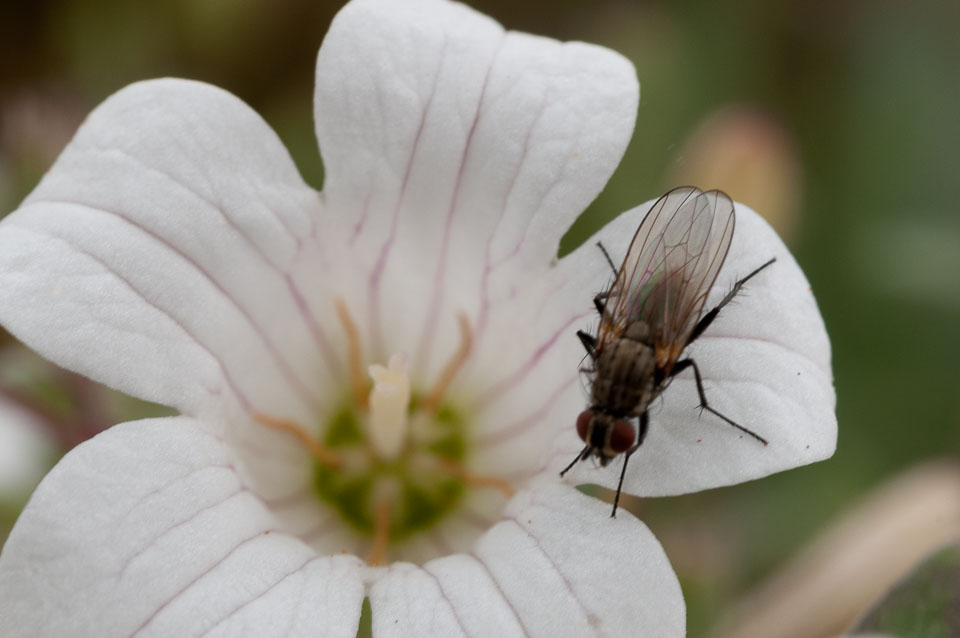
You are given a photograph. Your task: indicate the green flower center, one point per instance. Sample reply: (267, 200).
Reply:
(392, 462)
(417, 482)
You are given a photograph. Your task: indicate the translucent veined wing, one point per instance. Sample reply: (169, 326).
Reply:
(670, 267)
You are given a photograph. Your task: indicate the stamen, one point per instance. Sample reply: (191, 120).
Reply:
(355, 353)
(432, 401)
(475, 480)
(317, 449)
(381, 532)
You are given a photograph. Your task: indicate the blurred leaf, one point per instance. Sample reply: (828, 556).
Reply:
(926, 603)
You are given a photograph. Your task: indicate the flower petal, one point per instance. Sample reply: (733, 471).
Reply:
(154, 254)
(765, 363)
(556, 565)
(147, 529)
(458, 154)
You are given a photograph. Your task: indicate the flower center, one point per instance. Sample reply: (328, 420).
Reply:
(397, 457)
(391, 459)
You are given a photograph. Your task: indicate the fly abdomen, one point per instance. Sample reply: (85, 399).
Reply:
(624, 377)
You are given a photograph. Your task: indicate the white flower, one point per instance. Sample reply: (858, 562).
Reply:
(173, 252)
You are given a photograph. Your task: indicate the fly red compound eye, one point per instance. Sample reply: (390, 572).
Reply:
(621, 438)
(583, 424)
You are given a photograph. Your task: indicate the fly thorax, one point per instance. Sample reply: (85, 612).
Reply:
(637, 331)
(624, 376)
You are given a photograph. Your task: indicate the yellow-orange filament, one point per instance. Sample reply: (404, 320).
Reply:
(475, 480)
(432, 401)
(317, 449)
(358, 380)
(381, 533)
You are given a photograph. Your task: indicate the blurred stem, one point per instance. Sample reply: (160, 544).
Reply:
(831, 583)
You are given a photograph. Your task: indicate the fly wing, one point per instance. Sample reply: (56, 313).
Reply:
(670, 267)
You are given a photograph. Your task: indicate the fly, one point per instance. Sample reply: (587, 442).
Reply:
(649, 315)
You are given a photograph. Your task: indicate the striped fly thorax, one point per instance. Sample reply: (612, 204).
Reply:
(623, 382)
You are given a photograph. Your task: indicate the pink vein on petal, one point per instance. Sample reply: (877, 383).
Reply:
(194, 581)
(553, 564)
(197, 138)
(529, 222)
(285, 367)
(184, 477)
(488, 250)
(385, 250)
(496, 584)
(443, 594)
(511, 381)
(358, 227)
(519, 427)
(436, 297)
(241, 397)
(179, 524)
(304, 311)
(539, 205)
(333, 362)
(266, 591)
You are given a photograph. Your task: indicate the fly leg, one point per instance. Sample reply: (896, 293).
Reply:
(607, 255)
(581, 456)
(600, 302)
(690, 363)
(589, 343)
(641, 434)
(708, 318)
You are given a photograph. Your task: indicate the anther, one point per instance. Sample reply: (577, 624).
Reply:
(317, 449)
(432, 401)
(358, 379)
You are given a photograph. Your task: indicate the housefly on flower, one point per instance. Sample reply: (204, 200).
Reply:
(649, 315)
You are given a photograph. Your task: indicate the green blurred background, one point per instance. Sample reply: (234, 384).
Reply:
(839, 121)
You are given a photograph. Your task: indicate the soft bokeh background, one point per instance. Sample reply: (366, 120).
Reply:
(840, 122)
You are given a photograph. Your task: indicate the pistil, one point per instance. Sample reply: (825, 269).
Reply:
(389, 403)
